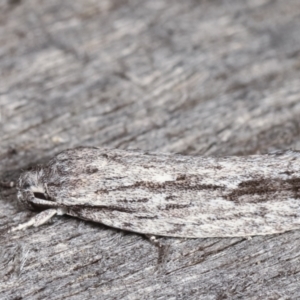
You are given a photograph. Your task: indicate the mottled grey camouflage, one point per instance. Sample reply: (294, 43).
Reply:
(167, 194)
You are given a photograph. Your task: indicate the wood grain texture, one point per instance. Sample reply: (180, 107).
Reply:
(191, 77)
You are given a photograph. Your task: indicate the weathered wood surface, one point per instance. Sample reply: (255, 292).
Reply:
(194, 77)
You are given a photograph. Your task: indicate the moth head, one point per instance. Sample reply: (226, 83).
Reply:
(32, 192)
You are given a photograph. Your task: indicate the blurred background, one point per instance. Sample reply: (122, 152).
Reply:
(196, 77)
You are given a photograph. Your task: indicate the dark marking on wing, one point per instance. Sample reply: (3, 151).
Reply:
(264, 188)
(102, 191)
(287, 172)
(218, 167)
(127, 224)
(54, 184)
(176, 206)
(181, 177)
(147, 217)
(103, 207)
(91, 170)
(156, 187)
(114, 178)
(148, 166)
(114, 157)
(176, 228)
(143, 200)
(170, 197)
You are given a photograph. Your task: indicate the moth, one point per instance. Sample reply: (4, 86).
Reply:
(167, 194)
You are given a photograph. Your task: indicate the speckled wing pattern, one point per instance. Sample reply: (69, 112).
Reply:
(176, 195)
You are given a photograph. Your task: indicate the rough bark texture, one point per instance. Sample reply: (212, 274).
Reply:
(194, 77)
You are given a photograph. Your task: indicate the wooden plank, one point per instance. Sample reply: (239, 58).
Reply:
(193, 77)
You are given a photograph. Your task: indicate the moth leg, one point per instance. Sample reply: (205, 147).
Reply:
(37, 220)
(161, 247)
(7, 185)
(154, 240)
(46, 190)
